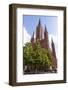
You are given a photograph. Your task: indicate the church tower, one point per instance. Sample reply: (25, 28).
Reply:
(39, 31)
(42, 36)
(53, 49)
(54, 59)
(32, 39)
(46, 38)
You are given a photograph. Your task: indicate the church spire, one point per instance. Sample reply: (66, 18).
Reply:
(39, 24)
(53, 49)
(54, 60)
(39, 31)
(46, 29)
(46, 38)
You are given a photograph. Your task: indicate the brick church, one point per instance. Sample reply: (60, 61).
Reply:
(42, 35)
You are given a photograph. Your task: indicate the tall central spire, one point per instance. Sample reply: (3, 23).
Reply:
(39, 30)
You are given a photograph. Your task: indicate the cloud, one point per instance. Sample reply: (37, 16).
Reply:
(27, 37)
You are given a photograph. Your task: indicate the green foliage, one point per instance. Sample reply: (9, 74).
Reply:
(27, 53)
(36, 55)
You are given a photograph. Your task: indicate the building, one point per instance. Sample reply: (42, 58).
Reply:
(42, 35)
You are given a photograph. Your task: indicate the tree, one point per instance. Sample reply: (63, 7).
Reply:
(36, 56)
(27, 51)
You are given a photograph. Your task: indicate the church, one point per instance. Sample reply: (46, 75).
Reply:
(43, 37)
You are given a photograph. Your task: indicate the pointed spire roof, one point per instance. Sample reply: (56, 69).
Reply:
(39, 22)
(53, 48)
(46, 29)
(52, 41)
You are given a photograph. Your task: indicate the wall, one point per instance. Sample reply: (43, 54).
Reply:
(4, 44)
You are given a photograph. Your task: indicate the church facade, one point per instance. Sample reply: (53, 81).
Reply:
(43, 37)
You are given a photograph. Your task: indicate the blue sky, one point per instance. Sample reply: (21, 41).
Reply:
(30, 22)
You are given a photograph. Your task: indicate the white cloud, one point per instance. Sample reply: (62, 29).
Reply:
(26, 37)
